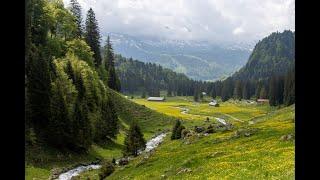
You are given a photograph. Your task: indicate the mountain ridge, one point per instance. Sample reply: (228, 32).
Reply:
(216, 61)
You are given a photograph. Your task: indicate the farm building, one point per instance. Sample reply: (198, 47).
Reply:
(262, 101)
(213, 103)
(155, 99)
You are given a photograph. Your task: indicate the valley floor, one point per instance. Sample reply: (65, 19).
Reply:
(260, 145)
(264, 153)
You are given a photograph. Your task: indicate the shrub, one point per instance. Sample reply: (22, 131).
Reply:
(210, 130)
(199, 129)
(106, 169)
(184, 133)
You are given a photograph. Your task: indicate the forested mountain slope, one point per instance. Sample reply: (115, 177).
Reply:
(273, 55)
(150, 78)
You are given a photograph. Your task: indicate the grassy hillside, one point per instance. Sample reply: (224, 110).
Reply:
(223, 155)
(150, 121)
(41, 160)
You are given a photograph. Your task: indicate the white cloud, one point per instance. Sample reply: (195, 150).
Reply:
(238, 30)
(213, 20)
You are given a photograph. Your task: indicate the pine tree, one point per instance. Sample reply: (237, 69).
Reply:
(143, 94)
(38, 89)
(81, 126)
(273, 101)
(237, 94)
(134, 140)
(246, 90)
(92, 36)
(59, 126)
(107, 126)
(113, 81)
(289, 88)
(177, 129)
(213, 92)
(196, 95)
(75, 9)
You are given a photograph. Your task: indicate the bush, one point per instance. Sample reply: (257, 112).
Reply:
(184, 133)
(210, 130)
(106, 169)
(199, 129)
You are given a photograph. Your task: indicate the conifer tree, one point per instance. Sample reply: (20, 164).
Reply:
(246, 90)
(107, 126)
(289, 88)
(143, 94)
(134, 140)
(75, 9)
(59, 131)
(81, 126)
(38, 92)
(238, 90)
(177, 129)
(196, 95)
(92, 36)
(113, 81)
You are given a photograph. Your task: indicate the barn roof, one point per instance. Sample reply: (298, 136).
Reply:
(155, 98)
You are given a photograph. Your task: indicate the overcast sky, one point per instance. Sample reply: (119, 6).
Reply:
(212, 20)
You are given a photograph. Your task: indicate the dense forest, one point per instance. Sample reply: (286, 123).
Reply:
(150, 78)
(67, 80)
(273, 55)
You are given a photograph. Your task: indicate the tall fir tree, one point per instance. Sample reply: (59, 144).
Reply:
(177, 129)
(107, 126)
(75, 9)
(59, 126)
(134, 140)
(92, 37)
(81, 126)
(113, 81)
(196, 94)
(289, 88)
(246, 90)
(237, 94)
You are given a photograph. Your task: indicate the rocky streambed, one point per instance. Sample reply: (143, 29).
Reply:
(150, 145)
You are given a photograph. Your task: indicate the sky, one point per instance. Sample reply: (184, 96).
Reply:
(208, 20)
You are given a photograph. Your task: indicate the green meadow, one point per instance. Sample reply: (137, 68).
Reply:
(221, 155)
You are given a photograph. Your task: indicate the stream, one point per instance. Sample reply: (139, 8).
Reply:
(150, 145)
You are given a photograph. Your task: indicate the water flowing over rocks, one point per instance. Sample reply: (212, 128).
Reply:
(150, 145)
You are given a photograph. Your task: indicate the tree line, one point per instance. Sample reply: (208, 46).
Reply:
(279, 89)
(150, 78)
(67, 78)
